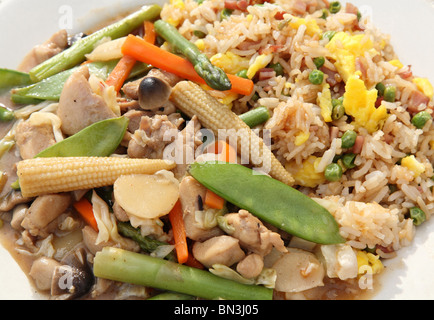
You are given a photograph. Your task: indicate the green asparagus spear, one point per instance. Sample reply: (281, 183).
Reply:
(76, 53)
(125, 266)
(146, 244)
(171, 296)
(215, 77)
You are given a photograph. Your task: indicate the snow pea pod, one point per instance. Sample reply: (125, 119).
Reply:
(99, 140)
(51, 88)
(12, 78)
(270, 200)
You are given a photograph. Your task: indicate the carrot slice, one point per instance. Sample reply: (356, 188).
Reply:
(214, 201)
(145, 52)
(150, 35)
(85, 209)
(121, 72)
(177, 220)
(224, 150)
(226, 153)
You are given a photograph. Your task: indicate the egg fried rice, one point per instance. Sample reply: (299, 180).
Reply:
(391, 172)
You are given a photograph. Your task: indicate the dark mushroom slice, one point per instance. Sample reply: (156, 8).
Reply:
(74, 278)
(153, 93)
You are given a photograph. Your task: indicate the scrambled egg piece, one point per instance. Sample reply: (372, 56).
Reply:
(324, 101)
(413, 165)
(312, 27)
(396, 63)
(368, 262)
(306, 175)
(360, 104)
(260, 62)
(301, 138)
(178, 4)
(425, 86)
(230, 62)
(345, 49)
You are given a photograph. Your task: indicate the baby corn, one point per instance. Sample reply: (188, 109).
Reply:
(54, 175)
(193, 100)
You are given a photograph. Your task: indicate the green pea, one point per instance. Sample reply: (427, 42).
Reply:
(316, 77)
(277, 67)
(335, 7)
(226, 13)
(333, 172)
(338, 101)
(393, 188)
(349, 139)
(380, 88)
(199, 34)
(6, 115)
(328, 35)
(390, 94)
(242, 74)
(348, 160)
(325, 14)
(319, 62)
(417, 215)
(420, 119)
(338, 111)
(255, 97)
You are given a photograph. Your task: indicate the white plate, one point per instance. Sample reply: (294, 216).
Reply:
(25, 23)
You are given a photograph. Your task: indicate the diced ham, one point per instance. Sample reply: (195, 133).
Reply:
(417, 98)
(266, 73)
(299, 7)
(358, 145)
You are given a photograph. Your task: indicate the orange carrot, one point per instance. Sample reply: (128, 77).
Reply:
(224, 150)
(150, 35)
(121, 72)
(145, 52)
(177, 220)
(85, 209)
(226, 153)
(214, 201)
(192, 262)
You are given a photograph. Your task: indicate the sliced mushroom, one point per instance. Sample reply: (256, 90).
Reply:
(73, 278)
(297, 271)
(153, 93)
(42, 271)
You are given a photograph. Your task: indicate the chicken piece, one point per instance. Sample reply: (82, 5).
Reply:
(90, 237)
(44, 210)
(253, 235)
(191, 193)
(40, 53)
(32, 139)
(79, 107)
(218, 250)
(251, 266)
(183, 149)
(152, 137)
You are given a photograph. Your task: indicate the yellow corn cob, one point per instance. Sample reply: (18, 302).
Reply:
(54, 175)
(193, 100)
